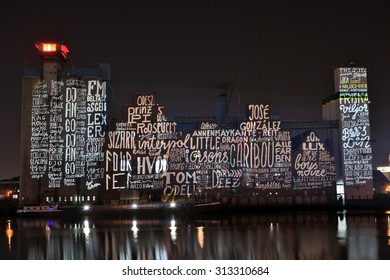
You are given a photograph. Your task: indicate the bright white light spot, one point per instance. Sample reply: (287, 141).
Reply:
(86, 228)
(135, 230)
(86, 207)
(173, 230)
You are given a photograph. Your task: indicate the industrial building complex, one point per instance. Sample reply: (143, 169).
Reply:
(80, 146)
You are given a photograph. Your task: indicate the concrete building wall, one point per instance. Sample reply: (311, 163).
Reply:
(351, 144)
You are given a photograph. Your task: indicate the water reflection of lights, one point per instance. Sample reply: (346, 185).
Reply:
(273, 227)
(48, 228)
(86, 228)
(135, 230)
(342, 229)
(9, 232)
(173, 229)
(388, 228)
(200, 236)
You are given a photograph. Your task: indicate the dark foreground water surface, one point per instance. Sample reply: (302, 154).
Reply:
(285, 236)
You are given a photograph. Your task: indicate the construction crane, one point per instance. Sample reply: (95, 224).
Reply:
(228, 89)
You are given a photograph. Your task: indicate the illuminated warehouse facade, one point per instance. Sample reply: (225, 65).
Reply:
(64, 122)
(352, 141)
(77, 147)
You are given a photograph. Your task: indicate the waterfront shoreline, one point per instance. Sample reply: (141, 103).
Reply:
(193, 209)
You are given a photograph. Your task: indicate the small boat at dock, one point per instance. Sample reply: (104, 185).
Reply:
(38, 210)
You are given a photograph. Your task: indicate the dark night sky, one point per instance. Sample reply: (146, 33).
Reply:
(285, 51)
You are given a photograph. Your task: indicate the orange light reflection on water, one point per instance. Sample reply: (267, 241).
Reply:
(9, 232)
(388, 227)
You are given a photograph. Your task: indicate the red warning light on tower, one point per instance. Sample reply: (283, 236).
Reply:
(48, 47)
(52, 50)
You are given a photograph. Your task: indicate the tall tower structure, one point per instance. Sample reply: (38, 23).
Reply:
(352, 142)
(35, 119)
(53, 55)
(63, 129)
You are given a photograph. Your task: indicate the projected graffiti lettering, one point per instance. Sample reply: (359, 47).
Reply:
(70, 141)
(40, 112)
(68, 131)
(147, 151)
(314, 167)
(355, 123)
(56, 142)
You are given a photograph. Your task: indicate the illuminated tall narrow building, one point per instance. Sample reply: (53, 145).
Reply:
(352, 141)
(64, 121)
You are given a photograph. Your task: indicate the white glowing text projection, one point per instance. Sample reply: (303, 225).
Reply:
(355, 123)
(68, 131)
(148, 152)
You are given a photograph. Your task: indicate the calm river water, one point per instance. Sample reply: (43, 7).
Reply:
(269, 236)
